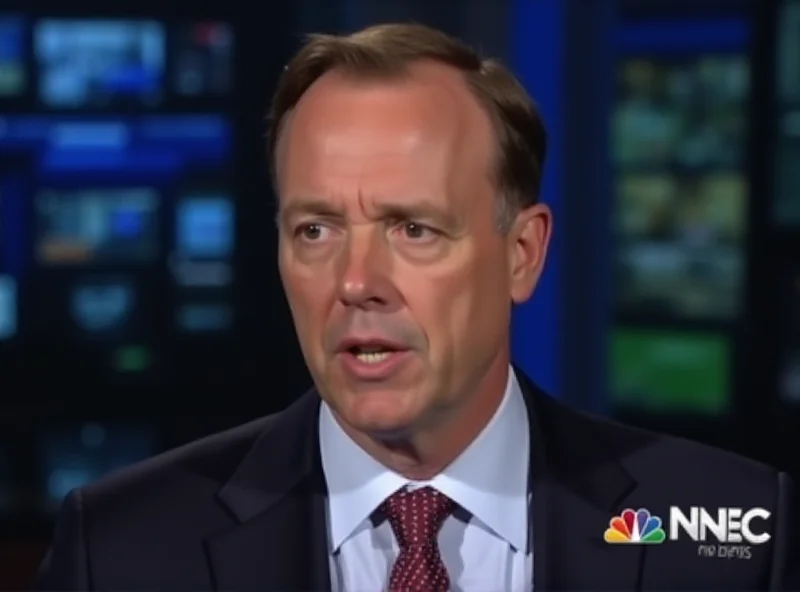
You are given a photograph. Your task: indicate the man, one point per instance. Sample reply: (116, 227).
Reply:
(407, 171)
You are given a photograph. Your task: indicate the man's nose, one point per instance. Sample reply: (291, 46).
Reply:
(364, 270)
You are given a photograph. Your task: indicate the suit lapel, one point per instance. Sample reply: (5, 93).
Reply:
(277, 496)
(577, 486)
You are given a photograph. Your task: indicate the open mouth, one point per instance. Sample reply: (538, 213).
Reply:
(371, 354)
(372, 358)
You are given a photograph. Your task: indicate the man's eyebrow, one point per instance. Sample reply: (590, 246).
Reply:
(414, 209)
(400, 209)
(308, 206)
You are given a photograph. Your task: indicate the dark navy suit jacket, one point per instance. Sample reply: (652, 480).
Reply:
(245, 510)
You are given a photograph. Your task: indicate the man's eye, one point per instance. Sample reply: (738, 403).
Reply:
(417, 231)
(311, 232)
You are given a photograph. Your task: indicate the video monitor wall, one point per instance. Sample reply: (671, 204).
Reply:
(680, 195)
(99, 63)
(117, 203)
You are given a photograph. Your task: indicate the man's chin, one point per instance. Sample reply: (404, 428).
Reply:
(387, 414)
(390, 434)
(383, 426)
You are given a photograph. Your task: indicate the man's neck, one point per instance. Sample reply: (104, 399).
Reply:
(433, 447)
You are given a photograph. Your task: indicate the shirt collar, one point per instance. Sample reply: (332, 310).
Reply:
(495, 493)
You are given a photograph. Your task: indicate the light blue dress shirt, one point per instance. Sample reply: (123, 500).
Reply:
(485, 545)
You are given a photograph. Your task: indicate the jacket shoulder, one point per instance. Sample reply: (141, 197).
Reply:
(674, 464)
(663, 461)
(184, 480)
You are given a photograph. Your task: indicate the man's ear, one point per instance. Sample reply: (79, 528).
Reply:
(528, 241)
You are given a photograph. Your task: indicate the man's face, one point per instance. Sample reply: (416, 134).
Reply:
(399, 282)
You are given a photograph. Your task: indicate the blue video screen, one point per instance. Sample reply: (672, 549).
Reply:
(98, 185)
(122, 149)
(8, 293)
(8, 307)
(202, 260)
(205, 226)
(97, 225)
(13, 67)
(99, 63)
(75, 456)
(103, 306)
(105, 213)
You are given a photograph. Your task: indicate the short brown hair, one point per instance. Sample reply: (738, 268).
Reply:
(386, 51)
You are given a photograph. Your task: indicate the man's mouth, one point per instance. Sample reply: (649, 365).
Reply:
(371, 354)
(371, 350)
(372, 358)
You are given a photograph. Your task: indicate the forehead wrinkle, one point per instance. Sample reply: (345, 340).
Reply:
(374, 207)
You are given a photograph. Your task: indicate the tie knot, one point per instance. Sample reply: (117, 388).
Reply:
(417, 515)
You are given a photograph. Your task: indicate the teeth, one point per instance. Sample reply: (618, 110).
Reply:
(372, 357)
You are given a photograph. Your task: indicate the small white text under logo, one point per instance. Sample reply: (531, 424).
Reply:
(724, 551)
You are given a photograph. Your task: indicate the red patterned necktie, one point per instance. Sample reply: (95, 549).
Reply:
(416, 517)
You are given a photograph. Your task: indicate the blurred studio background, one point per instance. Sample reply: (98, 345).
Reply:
(140, 305)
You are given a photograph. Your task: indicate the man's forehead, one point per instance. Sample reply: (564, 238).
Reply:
(398, 130)
(368, 124)
(404, 109)
(429, 96)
